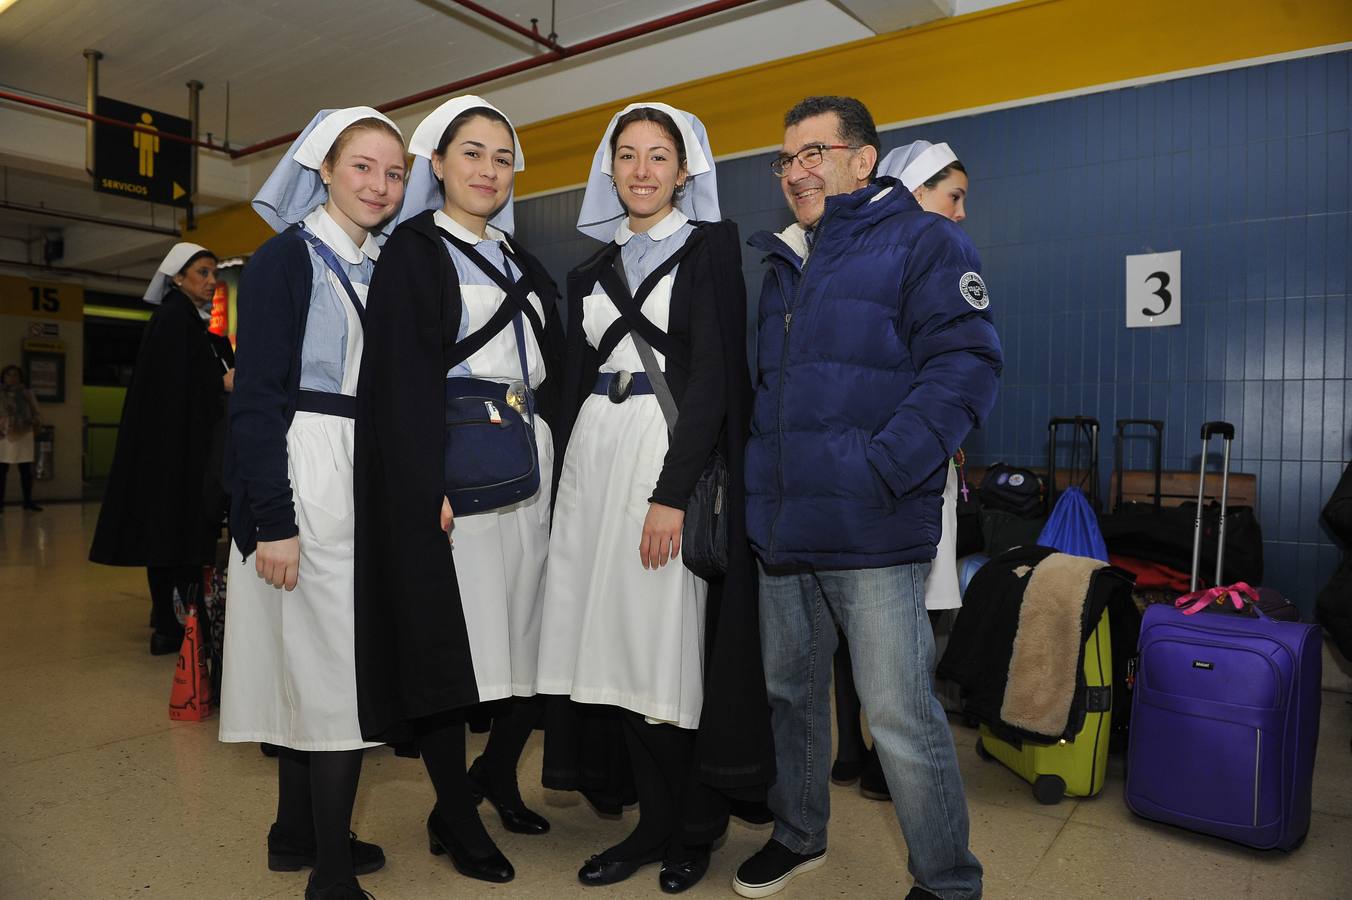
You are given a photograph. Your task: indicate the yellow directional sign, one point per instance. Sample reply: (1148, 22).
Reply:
(141, 161)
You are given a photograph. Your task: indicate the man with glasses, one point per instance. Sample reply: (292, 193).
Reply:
(876, 357)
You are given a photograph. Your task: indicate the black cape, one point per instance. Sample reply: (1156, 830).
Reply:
(164, 503)
(412, 646)
(734, 749)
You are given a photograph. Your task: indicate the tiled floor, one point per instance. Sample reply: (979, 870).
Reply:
(102, 796)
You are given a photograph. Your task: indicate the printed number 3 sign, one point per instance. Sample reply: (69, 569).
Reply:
(1155, 289)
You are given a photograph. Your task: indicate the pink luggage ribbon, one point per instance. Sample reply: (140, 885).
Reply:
(1200, 600)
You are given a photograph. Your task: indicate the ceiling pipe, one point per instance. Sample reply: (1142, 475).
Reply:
(93, 220)
(559, 52)
(81, 114)
(528, 33)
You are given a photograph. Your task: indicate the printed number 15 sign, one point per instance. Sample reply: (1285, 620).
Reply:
(1155, 289)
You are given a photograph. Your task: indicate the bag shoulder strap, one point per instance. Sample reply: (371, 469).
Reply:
(645, 351)
(331, 260)
(514, 305)
(630, 305)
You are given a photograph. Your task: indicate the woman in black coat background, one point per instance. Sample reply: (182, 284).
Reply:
(164, 503)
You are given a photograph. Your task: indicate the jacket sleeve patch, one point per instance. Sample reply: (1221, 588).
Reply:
(973, 290)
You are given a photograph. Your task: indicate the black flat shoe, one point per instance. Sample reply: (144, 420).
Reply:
(164, 644)
(32, 507)
(676, 877)
(846, 772)
(517, 819)
(491, 867)
(288, 855)
(343, 890)
(596, 871)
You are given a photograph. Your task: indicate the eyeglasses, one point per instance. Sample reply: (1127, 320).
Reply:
(809, 157)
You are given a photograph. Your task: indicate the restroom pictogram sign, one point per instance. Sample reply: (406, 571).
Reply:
(140, 161)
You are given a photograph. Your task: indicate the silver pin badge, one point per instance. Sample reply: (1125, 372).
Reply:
(620, 386)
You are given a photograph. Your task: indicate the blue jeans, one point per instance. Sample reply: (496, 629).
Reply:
(882, 614)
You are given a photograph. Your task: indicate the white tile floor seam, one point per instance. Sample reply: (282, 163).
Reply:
(102, 796)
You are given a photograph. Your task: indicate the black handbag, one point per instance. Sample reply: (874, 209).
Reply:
(490, 456)
(704, 536)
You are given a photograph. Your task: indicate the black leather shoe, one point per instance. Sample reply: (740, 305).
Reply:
(676, 877)
(598, 871)
(343, 890)
(32, 507)
(491, 867)
(517, 819)
(919, 893)
(288, 855)
(164, 644)
(846, 772)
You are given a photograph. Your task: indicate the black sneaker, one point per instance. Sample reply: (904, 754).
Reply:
(772, 868)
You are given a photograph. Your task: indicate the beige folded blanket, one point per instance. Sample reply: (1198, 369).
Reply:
(1047, 647)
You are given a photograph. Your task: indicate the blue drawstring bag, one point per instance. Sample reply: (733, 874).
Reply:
(1073, 527)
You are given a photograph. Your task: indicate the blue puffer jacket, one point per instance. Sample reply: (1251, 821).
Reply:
(876, 357)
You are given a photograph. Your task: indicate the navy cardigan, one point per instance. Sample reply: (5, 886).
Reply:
(273, 305)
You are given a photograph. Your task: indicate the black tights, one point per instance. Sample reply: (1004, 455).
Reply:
(513, 721)
(441, 743)
(678, 817)
(315, 793)
(165, 582)
(25, 481)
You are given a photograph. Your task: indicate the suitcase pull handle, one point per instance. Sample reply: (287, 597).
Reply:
(1235, 593)
(1224, 429)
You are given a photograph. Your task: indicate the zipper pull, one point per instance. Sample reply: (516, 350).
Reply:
(788, 320)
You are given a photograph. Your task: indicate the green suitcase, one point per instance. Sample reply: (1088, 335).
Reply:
(1070, 768)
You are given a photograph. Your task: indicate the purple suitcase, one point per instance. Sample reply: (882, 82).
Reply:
(1225, 720)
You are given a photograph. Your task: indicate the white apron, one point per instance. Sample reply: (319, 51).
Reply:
(289, 669)
(616, 633)
(500, 554)
(941, 588)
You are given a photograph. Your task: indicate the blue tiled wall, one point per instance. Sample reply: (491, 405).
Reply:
(1247, 173)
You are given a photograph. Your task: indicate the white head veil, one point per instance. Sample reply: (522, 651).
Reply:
(601, 207)
(173, 261)
(916, 163)
(424, 190)
(294, 188)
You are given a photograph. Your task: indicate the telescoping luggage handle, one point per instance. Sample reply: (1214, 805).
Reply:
(1090, 427)
(1119, 468)
(1227, 433)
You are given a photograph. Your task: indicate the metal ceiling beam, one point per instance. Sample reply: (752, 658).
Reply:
(559, 52)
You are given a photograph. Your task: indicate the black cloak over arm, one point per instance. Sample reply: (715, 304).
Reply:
(412, 644)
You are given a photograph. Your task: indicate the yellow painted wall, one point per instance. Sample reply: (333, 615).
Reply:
(1006, 54)
(1002, 55)
(234, 231)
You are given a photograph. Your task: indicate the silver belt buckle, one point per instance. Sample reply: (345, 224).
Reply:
(621, 384)
(516, 396)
